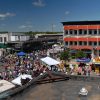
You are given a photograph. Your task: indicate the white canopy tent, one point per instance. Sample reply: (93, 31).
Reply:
(18, 79)
(49, 61)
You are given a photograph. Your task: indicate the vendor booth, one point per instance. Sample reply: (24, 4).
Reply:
(50, 62)
(96, 64)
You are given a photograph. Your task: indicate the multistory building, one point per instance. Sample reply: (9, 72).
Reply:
(82, 35)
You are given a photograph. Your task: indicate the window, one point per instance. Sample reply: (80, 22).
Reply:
(80, 31)
(71, 32)
(85, 43)
(5, 39)
(95, 43)
(1, 40)
(90, 32)
(75, 43)
(80, 43)
(99, 32)
(66, 43)
(71, 43)
(85, 32)
(95, 32)
(75, 32)
(90, 43)
(66, 32)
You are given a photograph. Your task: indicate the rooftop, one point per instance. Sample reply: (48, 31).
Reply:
(82, 23)
(63, 90)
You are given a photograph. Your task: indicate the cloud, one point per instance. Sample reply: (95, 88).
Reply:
(53, 25)
(25, 26)
(38, 3)
(5, 15)
(67, 13)
(3, 25)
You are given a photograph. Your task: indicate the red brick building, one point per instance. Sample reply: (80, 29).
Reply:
(83, 35)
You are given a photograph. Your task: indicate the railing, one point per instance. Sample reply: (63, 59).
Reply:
(78, 77)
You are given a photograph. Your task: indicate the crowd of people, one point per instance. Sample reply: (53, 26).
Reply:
(14, 65)
(79, 68)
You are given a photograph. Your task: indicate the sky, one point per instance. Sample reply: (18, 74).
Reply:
(45, 15)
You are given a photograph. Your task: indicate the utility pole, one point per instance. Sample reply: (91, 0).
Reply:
(52, 27)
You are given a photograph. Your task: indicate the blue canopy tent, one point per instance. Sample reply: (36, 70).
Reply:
(84, 60)
(21, 53)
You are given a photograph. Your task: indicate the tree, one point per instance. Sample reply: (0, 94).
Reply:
(65, 55)
(80, 54)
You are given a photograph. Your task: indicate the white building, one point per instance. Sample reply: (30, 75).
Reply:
(4, 37)
(18, 36)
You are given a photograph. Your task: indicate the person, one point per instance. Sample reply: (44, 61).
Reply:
(24, 81)
(1, 76)
(98, 85)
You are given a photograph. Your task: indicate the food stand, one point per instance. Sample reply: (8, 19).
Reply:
(96, 64)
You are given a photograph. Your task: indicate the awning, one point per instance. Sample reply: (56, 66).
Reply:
(84, 60)
(89, 52)
(81, 47)
(73, 51)
(3, 45)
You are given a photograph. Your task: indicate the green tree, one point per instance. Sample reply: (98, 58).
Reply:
(80, 54)
(65, 55)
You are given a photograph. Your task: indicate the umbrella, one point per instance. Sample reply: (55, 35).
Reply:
(21, 53)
